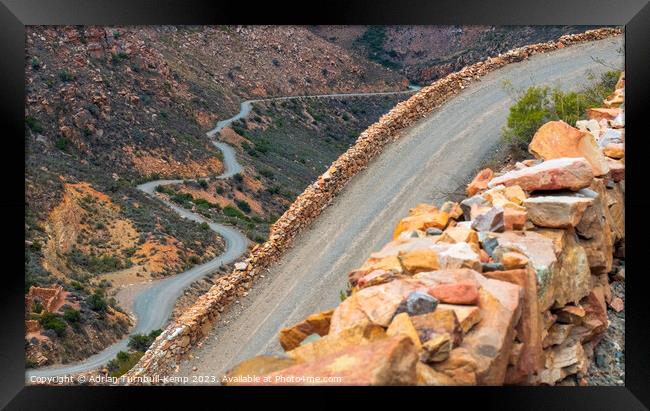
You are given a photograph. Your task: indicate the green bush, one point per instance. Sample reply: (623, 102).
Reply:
(203, 184)
(267, 173)
(51, 321)
(71, 315)
(65, 76)
(123, 362)
(37, 307)
(539, 105)
(96, 302)
(141, 342)
(61, 143)
(231, 211)
(243, 206)
(33, 124)
(204, 226)
(238, 178)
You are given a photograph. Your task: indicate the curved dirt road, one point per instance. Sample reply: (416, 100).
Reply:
(154, 302)
(432, 157)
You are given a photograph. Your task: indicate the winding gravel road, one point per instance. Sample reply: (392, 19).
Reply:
(154, 302)
(432, 157)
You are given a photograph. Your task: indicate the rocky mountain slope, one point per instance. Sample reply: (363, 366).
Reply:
(426, 53)
(109, 107)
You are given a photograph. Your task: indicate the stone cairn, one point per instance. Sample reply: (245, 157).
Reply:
(190, 328)
(509, 286)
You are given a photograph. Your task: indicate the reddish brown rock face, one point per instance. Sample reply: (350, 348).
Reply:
(480, 182)
(557, 139)
(390, 361)
(562, 173)
(457, 293)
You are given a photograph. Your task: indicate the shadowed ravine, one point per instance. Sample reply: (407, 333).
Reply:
(154, 302)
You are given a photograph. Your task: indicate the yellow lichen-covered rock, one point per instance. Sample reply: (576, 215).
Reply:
(329, 344)
(319, 323)
(402, 324)
(388, 361)
(422, 221)
(415, 261)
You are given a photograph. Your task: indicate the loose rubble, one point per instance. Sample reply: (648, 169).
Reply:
(479, 302)
(194, 325)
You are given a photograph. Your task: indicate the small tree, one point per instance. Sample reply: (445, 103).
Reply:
(96, 302)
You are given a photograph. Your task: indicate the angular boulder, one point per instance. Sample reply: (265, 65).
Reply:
(421, 219)
(319, 323)
(438, 322)
(464, 293)
(603, 113)
(479, 183)
(468, 315)
(402, 324)
(557, 174)
(329, 344)
(556, 211)
(557, 139)
(389, 361)
(491, 220)
(529, 327)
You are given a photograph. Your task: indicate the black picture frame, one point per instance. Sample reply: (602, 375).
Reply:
(16, 14)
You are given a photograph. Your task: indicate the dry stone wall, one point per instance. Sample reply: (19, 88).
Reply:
(180, 336)
(509, 286)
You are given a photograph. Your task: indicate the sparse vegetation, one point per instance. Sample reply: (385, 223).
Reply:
(141, 342)
(538, 105)
(53, 322)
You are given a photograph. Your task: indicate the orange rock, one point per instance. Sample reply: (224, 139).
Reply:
(375, 305)
(529, 327)
(439, 321)
(460, 366)
(390, 361)
(480, 182)
(419, 260)
(256, 366)
(557, 211)
(515, 194)
(468, 315)
(376, 277)
(617, 304)
(427, 376)
(514, 219)
(603, 113)
(458, 234)
(329, 344)
(614, 150)
(456, 293)
(452, 208)
(422, 221)
(319, 323)
(512, 260)
(557, 174)
(402, 324)
(557, 139)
